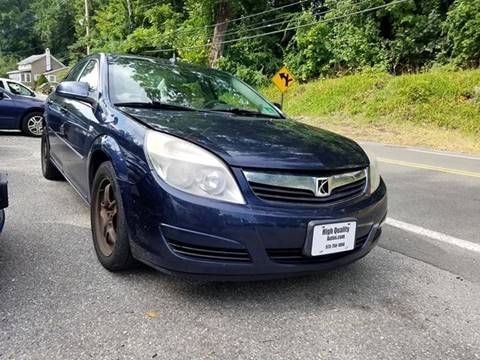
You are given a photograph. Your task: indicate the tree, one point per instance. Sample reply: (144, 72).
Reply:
(221, 26)
(55, 21)
(17, 35)
(463, 34)
(7, 63)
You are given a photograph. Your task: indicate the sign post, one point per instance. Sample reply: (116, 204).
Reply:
(283, 79)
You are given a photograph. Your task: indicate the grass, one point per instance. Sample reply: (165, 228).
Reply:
(438, 109)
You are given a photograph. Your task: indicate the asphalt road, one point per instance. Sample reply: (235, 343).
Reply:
(416, 296)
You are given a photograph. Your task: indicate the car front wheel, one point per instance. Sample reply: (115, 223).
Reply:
(109, 227)
(2, 219)
(32, 124)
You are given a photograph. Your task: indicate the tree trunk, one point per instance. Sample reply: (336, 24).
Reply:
(216, 51)
(130, 20)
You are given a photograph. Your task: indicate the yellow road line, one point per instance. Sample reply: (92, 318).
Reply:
(430, 167)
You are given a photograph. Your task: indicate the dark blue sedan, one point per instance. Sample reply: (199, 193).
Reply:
(191, 171)
(21, 113)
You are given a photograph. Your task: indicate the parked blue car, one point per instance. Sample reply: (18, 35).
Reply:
(3, 199)
(21, 113)
(192, 172)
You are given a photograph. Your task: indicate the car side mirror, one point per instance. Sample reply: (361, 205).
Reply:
(76, 90)
(279, 107)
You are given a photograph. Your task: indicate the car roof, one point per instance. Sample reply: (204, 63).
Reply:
(14, 81)
(165, 62)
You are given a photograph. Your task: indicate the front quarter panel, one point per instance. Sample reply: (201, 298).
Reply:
(123, 146)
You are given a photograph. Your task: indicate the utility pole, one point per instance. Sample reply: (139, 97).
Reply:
(87, 26)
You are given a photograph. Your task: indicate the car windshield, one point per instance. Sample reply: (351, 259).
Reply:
(136, 81)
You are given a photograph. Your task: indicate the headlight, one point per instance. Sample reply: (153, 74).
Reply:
(373, 173)
(190, 168)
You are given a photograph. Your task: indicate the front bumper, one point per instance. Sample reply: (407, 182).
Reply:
(182, 234)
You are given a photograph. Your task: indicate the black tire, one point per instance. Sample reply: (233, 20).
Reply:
(109, 226)
(2, 219)
(49, 171)
(32, 124)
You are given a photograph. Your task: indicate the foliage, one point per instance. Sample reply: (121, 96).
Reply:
(325, 37)
(54, 25)
(443, 99)
(7, 63)
(308, 54)
(463, 35)
(40, 81)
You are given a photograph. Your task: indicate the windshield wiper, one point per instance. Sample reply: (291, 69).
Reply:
(155, 105)
(245, 112)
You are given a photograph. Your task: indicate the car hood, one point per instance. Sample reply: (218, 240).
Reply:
(41, 97)
(258, 142)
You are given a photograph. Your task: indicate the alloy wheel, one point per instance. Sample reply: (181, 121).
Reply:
(106, 213)
(35, 125)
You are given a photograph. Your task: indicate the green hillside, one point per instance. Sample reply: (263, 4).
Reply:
(439, 109)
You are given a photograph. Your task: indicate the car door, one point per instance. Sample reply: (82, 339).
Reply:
(56, 119)
(79, 130)
(10, 111)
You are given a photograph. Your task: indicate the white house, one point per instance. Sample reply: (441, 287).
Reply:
(30, 69)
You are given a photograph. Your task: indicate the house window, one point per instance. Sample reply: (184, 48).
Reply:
(28, 77)
(52, 78)
(22, 77)
(36, 77)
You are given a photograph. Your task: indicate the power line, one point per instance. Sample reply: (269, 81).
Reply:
(204, 27)
(285, 29)
(155, 3)
(257, 14)
(266, 25)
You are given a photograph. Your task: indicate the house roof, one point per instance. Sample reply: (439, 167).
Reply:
(31, 59)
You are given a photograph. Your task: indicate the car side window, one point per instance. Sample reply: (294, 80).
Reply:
(90, 75)
(75, 72)
(1, 85)
(18, 89)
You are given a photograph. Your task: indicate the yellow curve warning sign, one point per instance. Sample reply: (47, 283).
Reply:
(283, 79)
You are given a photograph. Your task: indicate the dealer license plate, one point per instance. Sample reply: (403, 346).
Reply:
(333, 238)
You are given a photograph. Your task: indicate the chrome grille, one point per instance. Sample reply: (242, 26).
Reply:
(303, 189)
